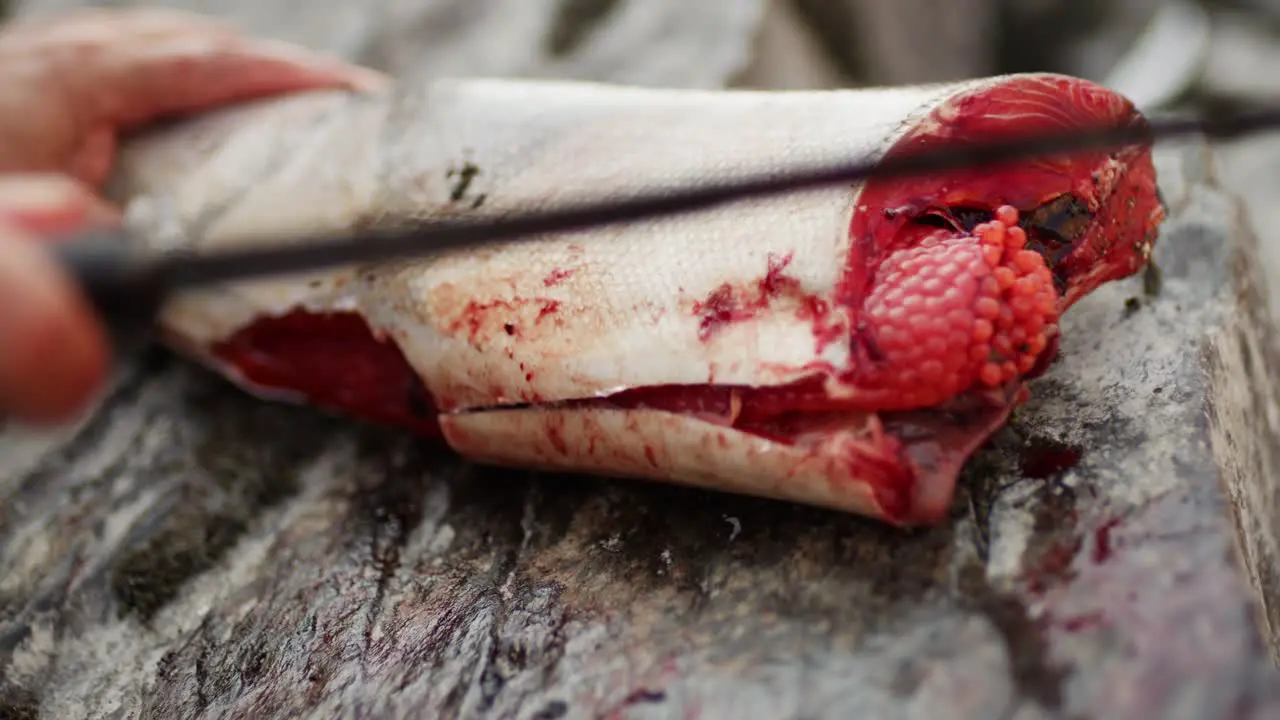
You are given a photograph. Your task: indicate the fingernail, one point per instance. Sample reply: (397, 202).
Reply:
(50, 205)
(368, 81)
(35, 193)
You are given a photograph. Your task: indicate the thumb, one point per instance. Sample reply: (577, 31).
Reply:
(53, 353)
(70, 85)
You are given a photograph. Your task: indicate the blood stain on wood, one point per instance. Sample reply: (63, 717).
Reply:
(1083, 622)
(1054, 566)
(1103, 545)
(1043, 458)
(1036, 675)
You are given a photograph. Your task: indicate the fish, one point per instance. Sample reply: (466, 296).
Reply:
(847, 347)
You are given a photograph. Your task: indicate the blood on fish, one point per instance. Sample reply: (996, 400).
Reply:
(775, 283)
(556, 435)
(650, 455)
(720, 308)
(555, 277)
(476, 316)
(728, 304)
(549, 307)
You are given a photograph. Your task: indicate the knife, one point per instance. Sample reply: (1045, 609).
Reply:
(127, 284)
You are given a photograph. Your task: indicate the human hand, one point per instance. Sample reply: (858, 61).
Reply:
(68, 88)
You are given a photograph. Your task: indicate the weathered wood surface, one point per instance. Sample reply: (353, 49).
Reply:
(1247, 67)
(192, 552)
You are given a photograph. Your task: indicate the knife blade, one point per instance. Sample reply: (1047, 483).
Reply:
(127, 285)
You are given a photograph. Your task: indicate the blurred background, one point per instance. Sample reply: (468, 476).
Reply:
(1159, 50)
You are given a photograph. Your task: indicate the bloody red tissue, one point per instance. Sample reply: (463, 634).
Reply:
(334, 361)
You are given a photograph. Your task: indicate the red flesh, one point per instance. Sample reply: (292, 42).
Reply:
(335, 362)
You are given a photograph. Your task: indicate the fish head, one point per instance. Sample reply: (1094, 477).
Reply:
(1094, 214)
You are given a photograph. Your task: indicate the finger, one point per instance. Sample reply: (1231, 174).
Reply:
(70, 85)
(51, 205)
(183, 76)
(136, 65)
(53, 353)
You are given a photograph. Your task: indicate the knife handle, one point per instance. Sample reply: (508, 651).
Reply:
(123, 286)
(120, 282)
